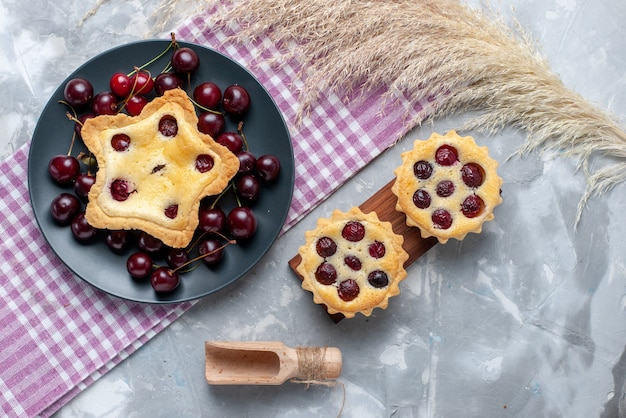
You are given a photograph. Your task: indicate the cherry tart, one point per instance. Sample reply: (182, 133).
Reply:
(352, 262)
(447, 186)
(154, 168)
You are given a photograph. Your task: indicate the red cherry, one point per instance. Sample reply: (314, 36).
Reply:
(104, 103)
(207, 95)
(120, 85)
(164, 280)
(241, 222)
(141, 83)
(135, 104)
(63, 169)
(81, 229)
(139, 265)
(211, 123)
(212, 250)
(64, 208)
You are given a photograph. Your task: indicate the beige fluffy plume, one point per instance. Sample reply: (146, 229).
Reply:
(469, 58)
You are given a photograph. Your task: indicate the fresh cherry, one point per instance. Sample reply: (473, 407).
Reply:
(236, 100)
(268, 168)
(104, 103)
(78, 126)
(248, 188)
(64, 208)
(63, 169)
(177, 257)
(83, 183)
(135, 104)
(212, 250)
(185, 60)
(211, 123)
(120, 85)
(166, 81)
(231, 140)
(118, 240)
(149, 243)
(212, 220)
(241, 222)
(139, 265)
(81, 229)
(207, 95)
(141, 83)
(247, 162)
(78, 92)
(164, 280)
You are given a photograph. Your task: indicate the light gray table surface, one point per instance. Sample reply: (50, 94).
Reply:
(527, 319)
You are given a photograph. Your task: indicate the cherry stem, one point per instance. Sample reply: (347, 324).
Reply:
(240, 130)
(206, 109)
(73, 119)
(230, 184)
(172, 43)
(200, 257)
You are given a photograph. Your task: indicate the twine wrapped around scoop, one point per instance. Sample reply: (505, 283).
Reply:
(463, 58)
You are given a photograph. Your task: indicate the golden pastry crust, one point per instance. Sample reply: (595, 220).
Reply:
(380, 263)
(462, 203)
(160, 172)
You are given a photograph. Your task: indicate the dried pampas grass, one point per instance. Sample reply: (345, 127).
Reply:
(469, 59)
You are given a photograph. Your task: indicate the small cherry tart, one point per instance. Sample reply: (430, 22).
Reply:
(352, 262)
(447, 186)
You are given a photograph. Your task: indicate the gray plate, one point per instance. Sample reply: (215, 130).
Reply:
(264, 128)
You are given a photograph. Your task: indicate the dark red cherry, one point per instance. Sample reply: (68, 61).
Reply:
(211, 123)
(248, 188)
(104, 103)
(325, 247)
(446, 155)
(326, 274)
(139, 265)
(204, 163)
(236, 100)
(63, 169)
(135, 104)
(120, 142)
(141, 83)
(119, 83)
(472, 175)
(185, 60)
(78, 92)
(212, 220)
(353, 262)
(81, 229)
(164, 280)
(166, 81)
(121, 190)
(207, 95)
(168, 126)
(212, 250)
(247, 162)
(353, 231)
(241, 222)
(177, 257)
(376, 249)
(231, 140)
(442, 219)
(83, 183)
(472, 206)
(348, 290)
(78, 126)
(118, 241)
(421, 199)
(171, 211)
(445, 188)
(268, 168)
(64, 208)
(378, 279)
(423, 169)
(149, 243)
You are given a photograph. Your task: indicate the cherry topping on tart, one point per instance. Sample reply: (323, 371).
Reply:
(442, 219)
(325, 247)
(376, 249)
(445, 188)
(171, 211)
(446, 155)
(421, 199)
(354, 231)
(378, 279)
(121, 190)
(423, 169)
(472, 206)
(353, 262)
(348, 290)
(120, 142)
(472, 174)
(326, 274)
(204, 163)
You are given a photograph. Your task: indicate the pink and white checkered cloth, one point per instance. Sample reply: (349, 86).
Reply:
(59, 334)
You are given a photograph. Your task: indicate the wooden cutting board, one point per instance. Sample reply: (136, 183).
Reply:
(383, 202)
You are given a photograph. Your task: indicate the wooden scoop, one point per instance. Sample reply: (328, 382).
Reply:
(268, 363)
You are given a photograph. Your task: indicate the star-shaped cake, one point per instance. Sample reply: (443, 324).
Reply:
(154, 168)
